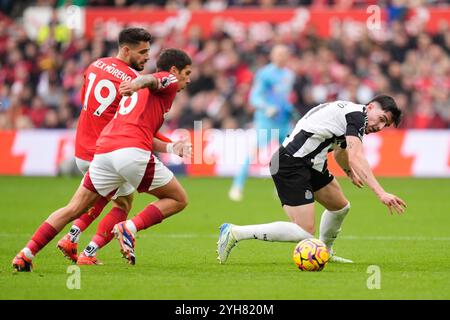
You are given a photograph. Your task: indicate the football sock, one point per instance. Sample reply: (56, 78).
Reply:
(330, 224)
(43, 235)
(130, 225)
(105, 226)
(74, 233)
(148, 217)
(27, 252)
(91, 249)
(86, 219)
(275, 231)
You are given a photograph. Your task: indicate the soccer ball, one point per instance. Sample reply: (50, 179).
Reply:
(311, 255)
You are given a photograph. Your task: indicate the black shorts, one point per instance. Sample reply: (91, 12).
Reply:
(295, 181)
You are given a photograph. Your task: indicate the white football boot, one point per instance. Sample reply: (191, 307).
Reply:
(226, 242)
(336, 259)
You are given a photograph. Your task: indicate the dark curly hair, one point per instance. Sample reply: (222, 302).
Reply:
(388, 104)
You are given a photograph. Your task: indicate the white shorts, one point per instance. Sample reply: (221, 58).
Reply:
(83, 165)
(124, 190)
(133, 167)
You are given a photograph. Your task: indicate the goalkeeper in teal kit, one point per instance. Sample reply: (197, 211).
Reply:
(269, 96)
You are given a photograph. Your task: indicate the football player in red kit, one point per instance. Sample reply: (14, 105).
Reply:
(100, 98)
(98, 109)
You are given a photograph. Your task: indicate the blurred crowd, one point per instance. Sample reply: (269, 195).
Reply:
(40, 79)
(13, 7)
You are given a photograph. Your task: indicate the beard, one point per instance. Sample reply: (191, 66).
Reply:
(136, 66)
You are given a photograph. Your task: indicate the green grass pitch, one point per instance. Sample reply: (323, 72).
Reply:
(176, 259)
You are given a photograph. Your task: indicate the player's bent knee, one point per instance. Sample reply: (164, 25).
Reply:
(125, 203)
(182, 199)
(310, 228)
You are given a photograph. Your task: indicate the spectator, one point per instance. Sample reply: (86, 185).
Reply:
(46, 74)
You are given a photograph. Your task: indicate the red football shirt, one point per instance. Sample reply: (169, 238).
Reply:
(100, 97)
(139, 117)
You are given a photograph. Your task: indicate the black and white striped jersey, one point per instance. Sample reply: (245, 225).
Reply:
(322, 128)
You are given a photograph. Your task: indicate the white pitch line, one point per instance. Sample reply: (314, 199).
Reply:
(402, 238)
(195, 235)
(349, 237)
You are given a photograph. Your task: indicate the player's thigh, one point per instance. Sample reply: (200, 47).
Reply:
(171, 190)
(331, 196)
(124, 202)
(84, 198)
(80, 202)
(123, 198)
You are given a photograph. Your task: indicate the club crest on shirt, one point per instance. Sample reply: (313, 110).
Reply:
(165, 82)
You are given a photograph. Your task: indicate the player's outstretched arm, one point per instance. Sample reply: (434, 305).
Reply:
(182, 148)
(358, 163)
(127, 88)
(159, 145)
(341, 157)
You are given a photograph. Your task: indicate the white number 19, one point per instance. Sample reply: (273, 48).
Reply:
(105, 102)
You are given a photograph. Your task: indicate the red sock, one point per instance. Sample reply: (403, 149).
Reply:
(87, 218)
(105, 226)
(146, 218)
(43, 235)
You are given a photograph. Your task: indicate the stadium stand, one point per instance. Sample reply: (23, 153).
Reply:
(40, 78)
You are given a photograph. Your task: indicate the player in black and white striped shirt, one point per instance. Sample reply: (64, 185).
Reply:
(299, 170)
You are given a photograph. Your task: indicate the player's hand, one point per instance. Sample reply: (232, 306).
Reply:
(393, 202)
(271, 112)
(356, 180)
(127, 88)
(183, 148)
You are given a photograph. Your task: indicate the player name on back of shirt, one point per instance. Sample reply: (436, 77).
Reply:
(112, 70)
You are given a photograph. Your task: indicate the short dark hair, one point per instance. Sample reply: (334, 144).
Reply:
(173, 57)
(388, 104)
(134, 36)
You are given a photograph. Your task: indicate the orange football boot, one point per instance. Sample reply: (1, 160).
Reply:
(87, 260)
(21, 263)
(68, 248)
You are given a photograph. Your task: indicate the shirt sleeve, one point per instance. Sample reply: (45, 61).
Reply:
(168, 83)
(356, 124)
